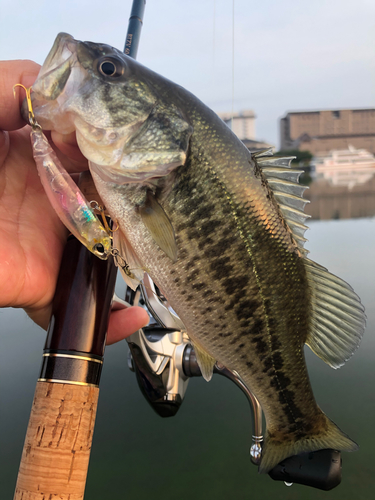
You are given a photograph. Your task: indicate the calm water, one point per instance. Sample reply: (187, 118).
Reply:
(330, 201)
(203, 451)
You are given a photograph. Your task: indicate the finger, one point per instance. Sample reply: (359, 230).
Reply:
(124, 322)
(12, 72)
(40, 316)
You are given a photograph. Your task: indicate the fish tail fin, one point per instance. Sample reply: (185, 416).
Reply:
(277, 448)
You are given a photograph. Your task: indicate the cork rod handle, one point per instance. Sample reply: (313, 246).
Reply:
(57, 447)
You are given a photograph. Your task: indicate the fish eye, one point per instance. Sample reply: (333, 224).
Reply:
(109, 66)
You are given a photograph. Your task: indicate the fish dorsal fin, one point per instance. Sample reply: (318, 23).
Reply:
(205, 361)
(126, 251)
(283, 180)
(338, 318)
(157, 222)
(262, 152)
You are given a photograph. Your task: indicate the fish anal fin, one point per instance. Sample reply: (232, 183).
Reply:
(338, 317)
(157, 222)
(205, 361)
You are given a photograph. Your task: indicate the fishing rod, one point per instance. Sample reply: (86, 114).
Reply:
(57, 446)
(58, 441)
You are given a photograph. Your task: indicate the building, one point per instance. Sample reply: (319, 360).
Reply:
(242, 123)
(322, 131)
(345, 167)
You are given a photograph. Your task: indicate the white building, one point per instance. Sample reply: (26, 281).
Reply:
(345, 167)
(243, 124)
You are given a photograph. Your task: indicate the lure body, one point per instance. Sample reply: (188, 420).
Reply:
(67, 199)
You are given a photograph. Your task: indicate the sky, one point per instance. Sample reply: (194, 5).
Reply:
(287, 55)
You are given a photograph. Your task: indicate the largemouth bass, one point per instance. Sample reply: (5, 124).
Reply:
(218, 229)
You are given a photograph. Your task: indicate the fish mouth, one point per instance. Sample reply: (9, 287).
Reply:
(56, 68)
(55, 85)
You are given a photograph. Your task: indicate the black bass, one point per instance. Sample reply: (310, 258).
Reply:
(219, 230)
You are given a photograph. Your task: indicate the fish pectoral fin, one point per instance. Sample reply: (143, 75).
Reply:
(157, 222)
(338, 318)
(126, 251)
(205, 361)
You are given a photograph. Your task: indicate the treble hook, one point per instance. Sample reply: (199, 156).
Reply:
(32, 119)
(95, 206)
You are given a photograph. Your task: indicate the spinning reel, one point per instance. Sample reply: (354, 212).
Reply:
(163, 360)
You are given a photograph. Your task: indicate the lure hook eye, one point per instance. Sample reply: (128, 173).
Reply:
(99, 250)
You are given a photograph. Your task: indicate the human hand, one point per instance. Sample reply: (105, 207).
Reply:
(33, 236)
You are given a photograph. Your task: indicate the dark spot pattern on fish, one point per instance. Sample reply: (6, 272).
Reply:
(198, 286)
(255, 322)
(239, 347)
(278, 362)
(225, 334)
(204, 242)
(283, 380)
(275, 343)
(268, 365)
(260, 345)
(220, 266)
(193, 275)
(215, 251)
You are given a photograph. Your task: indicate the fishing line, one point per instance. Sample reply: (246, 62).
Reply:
(213, 45)
(231, 122)
(214, 36)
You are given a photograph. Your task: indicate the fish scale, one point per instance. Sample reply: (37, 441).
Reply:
(258, 313)
(249, 303)
(219, 230)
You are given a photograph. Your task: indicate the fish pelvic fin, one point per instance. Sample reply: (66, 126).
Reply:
(338, 318)
(278, 447)
(205, 362)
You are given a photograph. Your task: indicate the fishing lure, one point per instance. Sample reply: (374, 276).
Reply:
(74, 211)
(66, 198)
